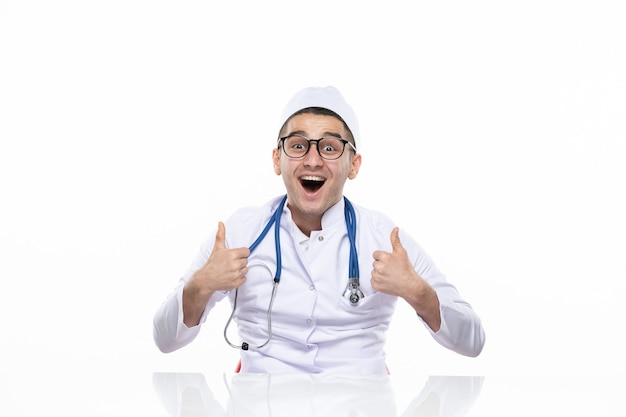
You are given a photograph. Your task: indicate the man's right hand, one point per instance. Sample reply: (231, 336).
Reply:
(224, 270)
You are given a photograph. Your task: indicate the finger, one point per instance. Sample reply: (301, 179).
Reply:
(220, 237)
(396, 244)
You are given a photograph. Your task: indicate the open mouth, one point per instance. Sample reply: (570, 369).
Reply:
(312, 183)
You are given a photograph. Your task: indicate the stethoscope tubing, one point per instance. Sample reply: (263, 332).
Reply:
(353, 268)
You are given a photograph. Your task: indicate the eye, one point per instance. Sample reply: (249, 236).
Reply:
(330, 146)
(297, 143)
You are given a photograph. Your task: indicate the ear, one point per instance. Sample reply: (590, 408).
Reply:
(354, 166)
(276, 160)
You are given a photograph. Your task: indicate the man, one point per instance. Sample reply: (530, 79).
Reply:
(297, 298)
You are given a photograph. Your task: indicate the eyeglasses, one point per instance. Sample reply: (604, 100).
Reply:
(328, 147)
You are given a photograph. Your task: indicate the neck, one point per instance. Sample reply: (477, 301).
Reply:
(307, 223)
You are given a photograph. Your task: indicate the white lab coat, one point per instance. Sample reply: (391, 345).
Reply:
(314, 328)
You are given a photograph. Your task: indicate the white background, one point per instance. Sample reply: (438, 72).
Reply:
(493, 132)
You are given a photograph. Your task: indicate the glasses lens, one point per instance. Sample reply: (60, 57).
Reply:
(296, 146)
(330, 148)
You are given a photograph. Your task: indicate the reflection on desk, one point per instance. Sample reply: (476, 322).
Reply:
(273, 395)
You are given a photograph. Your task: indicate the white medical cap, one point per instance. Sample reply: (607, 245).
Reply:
(325, 97)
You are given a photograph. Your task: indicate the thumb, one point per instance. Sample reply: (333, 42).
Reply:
(220, 237)
(396, 244)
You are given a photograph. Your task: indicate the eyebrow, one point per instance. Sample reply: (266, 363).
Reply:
(303, 133)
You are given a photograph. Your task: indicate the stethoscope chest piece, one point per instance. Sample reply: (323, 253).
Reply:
(353, 293)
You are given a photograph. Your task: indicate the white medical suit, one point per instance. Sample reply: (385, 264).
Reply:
(314, 328)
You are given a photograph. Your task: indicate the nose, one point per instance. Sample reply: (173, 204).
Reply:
(313, 157)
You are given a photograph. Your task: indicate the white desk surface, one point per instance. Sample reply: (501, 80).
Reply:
(138, 388)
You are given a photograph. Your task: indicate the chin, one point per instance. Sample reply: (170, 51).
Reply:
(308, 205)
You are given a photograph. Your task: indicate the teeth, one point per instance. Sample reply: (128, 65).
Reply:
(312, 178)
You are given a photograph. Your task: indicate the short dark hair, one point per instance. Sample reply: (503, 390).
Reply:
(320, 111)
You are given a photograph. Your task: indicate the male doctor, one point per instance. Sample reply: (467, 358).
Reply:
(297, 297)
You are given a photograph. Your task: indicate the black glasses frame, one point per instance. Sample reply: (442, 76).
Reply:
(281, 144)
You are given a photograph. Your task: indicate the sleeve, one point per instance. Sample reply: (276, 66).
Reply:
(461, 328)
(169, 331)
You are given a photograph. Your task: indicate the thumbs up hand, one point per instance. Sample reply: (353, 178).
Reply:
(224, 270)
(393, 272)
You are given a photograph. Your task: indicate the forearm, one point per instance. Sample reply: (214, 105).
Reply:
(424, 300)
(194, 303)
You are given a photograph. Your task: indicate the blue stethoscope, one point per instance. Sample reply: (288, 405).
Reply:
(353, 293)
